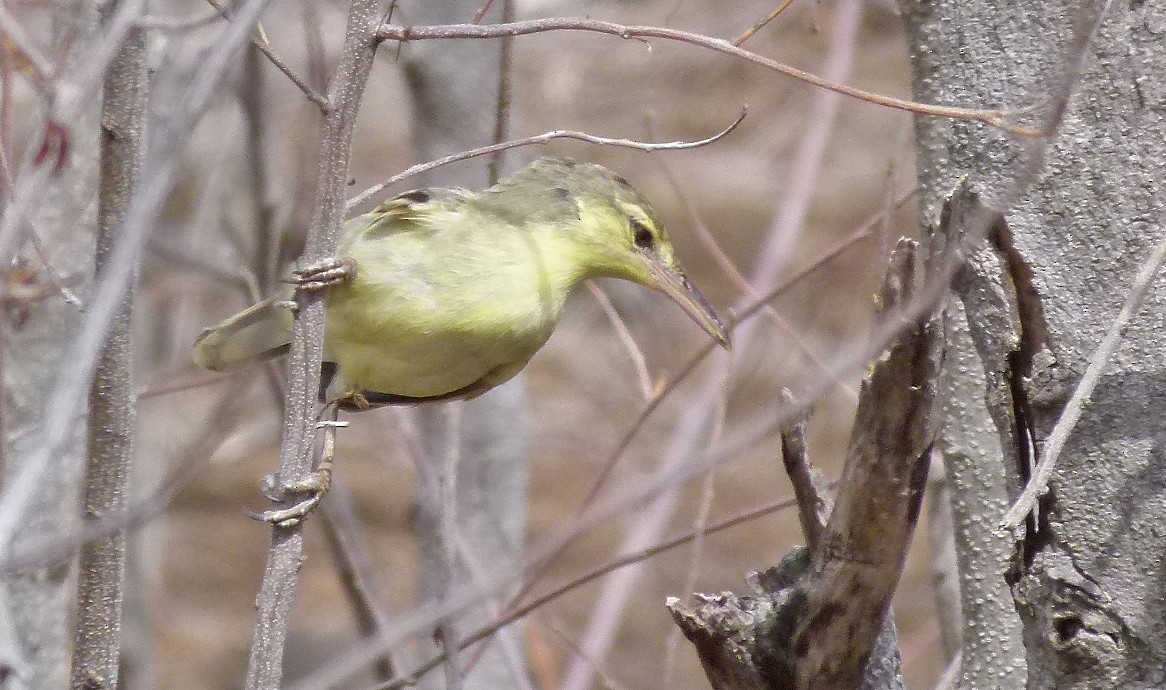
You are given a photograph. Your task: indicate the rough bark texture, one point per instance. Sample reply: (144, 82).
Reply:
(101, 571)
(816, 621)
(944, 570)
(455, 89)
(1082, 211)
(981, 452)
(265, 667)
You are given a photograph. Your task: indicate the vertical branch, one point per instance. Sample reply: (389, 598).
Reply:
(505, 84)
(97, 630)
(251, 95)
(356, 569)
(285, 556)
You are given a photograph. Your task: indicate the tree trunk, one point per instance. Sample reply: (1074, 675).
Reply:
(1079, 212)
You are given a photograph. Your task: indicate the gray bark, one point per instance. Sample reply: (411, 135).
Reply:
(1080, 212)
(102, 565)
(345, 90)
(454, 85)
(819, 620)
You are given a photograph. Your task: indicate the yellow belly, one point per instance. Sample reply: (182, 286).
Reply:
(405, 337)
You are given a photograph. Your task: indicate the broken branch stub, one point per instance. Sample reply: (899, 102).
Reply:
(816, 621)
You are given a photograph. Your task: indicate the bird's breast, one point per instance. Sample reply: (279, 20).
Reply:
(413, 326)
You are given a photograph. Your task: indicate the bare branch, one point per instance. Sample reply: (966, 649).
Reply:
(178, 24)
(544, 138)
(857, 567)
(588, 577)
(264, 47)
(356, 570)
(101, 571)
(748, 33)
(625, 336)
(994, 118)
(16, 37)
(814, 503)
(190, 99)
(265, 666)
(812, 621)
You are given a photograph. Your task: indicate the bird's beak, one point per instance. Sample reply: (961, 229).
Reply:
(682, 292)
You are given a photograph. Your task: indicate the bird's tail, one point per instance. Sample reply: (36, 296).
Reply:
(255, 334)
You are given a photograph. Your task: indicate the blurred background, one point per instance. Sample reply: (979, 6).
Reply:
(803, 172)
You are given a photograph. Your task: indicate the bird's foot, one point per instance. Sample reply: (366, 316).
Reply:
(351, 401)
(311, 488)
(324, 273)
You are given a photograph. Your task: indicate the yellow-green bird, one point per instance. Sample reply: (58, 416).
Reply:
(442, 294)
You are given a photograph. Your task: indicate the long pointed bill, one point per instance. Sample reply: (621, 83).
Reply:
(685, 294)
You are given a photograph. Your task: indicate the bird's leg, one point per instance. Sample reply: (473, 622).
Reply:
(312, 487)
(324, 273)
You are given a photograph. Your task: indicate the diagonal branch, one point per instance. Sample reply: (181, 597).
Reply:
(857, 567)
(813, 621)
(1080, 399)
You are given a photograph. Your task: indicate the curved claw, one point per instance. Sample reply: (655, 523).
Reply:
(324, 273)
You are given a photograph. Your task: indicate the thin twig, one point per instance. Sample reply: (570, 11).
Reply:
(178, 24)
(447, 502)
(6, 68)
(147, 505)
(607, 682)
(264, 47)
(482, 12)
(17, 39)
(699, 528)
(994, 118)
(544, 138)
(71, 94)
(510, 648)
(163, 157)
(813, 506)
(730, 269)
(625, 337)
(505, 89)
(1080, 398)
(748, 33)
(357, 574)
(588, 577)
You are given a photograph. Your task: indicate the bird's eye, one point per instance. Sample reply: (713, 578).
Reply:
(642, 236)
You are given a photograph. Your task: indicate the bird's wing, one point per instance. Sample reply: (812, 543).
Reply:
(406, 211)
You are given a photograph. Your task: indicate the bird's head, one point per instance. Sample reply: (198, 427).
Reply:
(616, 233)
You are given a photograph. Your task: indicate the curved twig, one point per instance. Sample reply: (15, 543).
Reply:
(994, 118)
(544, 138)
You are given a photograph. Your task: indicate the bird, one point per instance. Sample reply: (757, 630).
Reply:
(443, 293)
